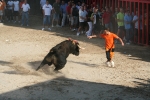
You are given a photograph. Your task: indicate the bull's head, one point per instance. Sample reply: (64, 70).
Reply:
(75, 47)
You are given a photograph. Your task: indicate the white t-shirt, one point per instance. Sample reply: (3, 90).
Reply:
(25, 7)
(83, 14)
(136, 23)
(16, 5)
(10, 4)
(47, 9)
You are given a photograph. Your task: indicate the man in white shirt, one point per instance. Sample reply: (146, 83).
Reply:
(10, 10)
(47, 8)
(82, 18)
(16, 10)
(25, 13)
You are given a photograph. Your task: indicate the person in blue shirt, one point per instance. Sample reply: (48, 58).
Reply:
(63, 12)
(128, 27)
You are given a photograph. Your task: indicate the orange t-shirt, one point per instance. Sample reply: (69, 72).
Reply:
(2, 5)
(109, 40)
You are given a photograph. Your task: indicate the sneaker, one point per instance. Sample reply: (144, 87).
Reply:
(112, 64)
(52, 25)
(21, 24)
(14, 21)
(108, 63)
(43, 29)
(78, 33)
(0, 21)
(27, 25)
(49, 29)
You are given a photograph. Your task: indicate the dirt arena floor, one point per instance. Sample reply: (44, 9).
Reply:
(85, 77)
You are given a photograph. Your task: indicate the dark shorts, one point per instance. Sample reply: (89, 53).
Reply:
(16, 13)
(82, 24)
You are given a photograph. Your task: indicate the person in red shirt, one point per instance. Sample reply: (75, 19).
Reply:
(106, 19)
(109, 45)
(20, 9)
(68, 9)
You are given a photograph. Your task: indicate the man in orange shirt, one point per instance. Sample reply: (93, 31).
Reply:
(109, 44)
(2, 8)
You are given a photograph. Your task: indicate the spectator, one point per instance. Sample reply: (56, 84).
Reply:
(128, 27)
(2, 8)
(42, 3)
(115, 20)
(16, 10)
(69, 13)
(63, 8)
(109, 45)
(46, 15)
(136, 26)
(78, 5)
(56, 13)
(89, 21)
(10, 10)
(20, 9)
(25, 13)
(96, 23)
(120, 20)
(82, 18)
(106, 19)
(74, 16)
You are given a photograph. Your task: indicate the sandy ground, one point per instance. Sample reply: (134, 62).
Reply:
(85, 77)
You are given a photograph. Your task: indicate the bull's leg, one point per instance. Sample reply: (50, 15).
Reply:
(47, 60)
(61, 61)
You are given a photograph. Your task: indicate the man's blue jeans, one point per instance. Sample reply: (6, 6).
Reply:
(25, 18)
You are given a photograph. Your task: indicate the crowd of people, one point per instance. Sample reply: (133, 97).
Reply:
(82, 18)
(90, 19)
(15, 11)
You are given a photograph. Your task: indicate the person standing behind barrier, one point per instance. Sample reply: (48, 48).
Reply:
(69, 13)
(115, 20)
(74, 16)
(106, 19)
(136, 26)
(25, 13)
(47, 8)
(96, 21)
(2, 8)
(128, 27)
(82, 18)
(89, 21)
(10, 10)
(42, 3)
(20, 9)
(16, 10)
(56, 13)
(120, 20)
(63, 8)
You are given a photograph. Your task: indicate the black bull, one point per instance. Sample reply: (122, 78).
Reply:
(59, 53)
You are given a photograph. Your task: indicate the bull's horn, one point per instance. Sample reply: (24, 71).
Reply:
(81, 47)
